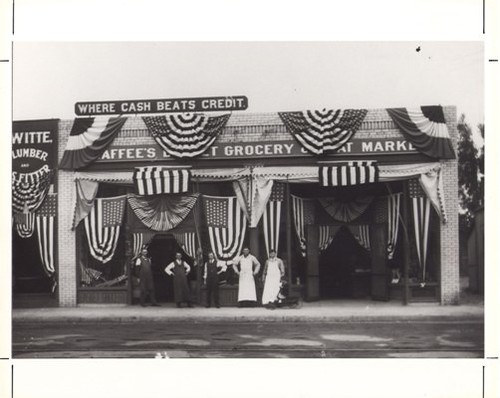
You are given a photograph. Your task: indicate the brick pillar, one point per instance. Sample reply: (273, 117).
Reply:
(450, 282)
(65, 236)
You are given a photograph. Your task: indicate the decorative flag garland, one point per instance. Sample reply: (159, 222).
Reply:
(425, 128)
(271, 218)
(348, 174)
(393, 204)
(162, 212)
(45, 217)
(325, 130)
(102, 226)
(88, 139)
(227, 224)
(187, 242)
(30, 189)
(159, 180)
(25, 224)
(185, 135)
(303, 214)
(421, 207)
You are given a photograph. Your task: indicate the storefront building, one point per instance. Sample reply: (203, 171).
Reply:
(358, 203)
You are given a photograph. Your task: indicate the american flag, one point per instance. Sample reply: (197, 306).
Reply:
(102, 226)
(421, 206)
(303, 214)
(393, 204)
(187, 241)
(272, 217)
(226, 223)
(45, 216)
(348, 174)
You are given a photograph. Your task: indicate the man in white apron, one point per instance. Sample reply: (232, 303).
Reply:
(246, 267)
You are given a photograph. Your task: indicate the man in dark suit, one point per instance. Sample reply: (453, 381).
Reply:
(211, 273)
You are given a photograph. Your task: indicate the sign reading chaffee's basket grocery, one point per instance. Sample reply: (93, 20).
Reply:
(172, 105)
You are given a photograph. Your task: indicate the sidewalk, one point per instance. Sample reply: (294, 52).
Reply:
(321, 311)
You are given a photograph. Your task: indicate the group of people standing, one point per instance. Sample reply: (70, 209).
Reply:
(246, 267)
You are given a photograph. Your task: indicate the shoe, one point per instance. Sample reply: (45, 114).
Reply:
(217, 306)
(207, 306)
(143, 305)
(155, 305)
(190, 305)
(178, 305)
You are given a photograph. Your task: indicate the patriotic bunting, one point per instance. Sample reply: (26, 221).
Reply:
(271, 218)
(102, 226)
(346, 211)
(253, 193)
(227, 224)
(185, 135)
(426, 129)
(158, 180)
(30, 189)
(421, 206)
(45, 217)
(321, 131)
(162, 212)
(326, 235)
(25, 224)
(88, 139)
(187, 242)
(348, 174)
(303, 214)
(139, 240)
(362, 235)
(393, 203)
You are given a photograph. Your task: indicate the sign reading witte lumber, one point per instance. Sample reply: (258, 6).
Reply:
(174, 105)
(269, 149)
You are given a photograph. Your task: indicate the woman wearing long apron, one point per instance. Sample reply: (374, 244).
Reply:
(249, 266)
(274, 270)
(179, 269)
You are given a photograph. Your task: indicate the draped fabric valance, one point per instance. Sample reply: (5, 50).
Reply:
(346, 211)
(324, 130)
(88, 139)
(426, 129)
(348, 174)
(159, 180)
(253, 193)
(185, 135)
(162, 212)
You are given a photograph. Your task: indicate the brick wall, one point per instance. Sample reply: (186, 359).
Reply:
(66, 237)
(450, 283)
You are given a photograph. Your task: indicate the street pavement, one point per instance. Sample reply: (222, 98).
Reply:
(356, 339)
(325, 329)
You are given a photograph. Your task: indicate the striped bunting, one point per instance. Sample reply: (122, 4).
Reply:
(30, 189)
(362, 235)
(421, 206)
(88, 139)
(227, 224)
(187, 242)
(348, 174)
(102, 226)
(162, 212)
(185, 135)
(158, 180)
(326, 235)
(325, 130)
(140, 240)
(393, 204)
(271, 218)
(425, 128)
(303, 214)
(45, 217)
(25, 224)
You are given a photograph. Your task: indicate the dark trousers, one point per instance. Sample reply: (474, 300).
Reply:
(150, 293)
(212, 290)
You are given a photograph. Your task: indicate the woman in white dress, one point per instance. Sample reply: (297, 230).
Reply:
(247, 266)
(274, 270)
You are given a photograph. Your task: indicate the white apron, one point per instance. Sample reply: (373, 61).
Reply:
(246, 290)
(272, 282)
